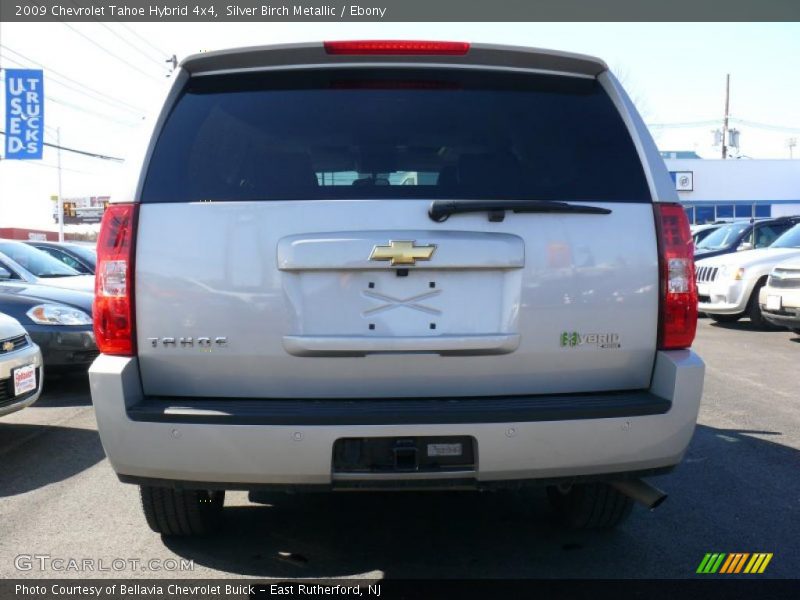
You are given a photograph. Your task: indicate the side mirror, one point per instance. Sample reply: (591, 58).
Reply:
(744, 246)
(5, 273)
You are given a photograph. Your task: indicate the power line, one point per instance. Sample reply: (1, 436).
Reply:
(76, 151)
(49, 166)
(766, 126)
(160, 52)
(756, 124)
(114, 33)
(139, 50)
(46, 68)
(88, 111)
(111, 103)
(687, 124)
(107, 51)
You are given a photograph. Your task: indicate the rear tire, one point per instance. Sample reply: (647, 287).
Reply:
(590, 505)
(725, 318)
(181, 512)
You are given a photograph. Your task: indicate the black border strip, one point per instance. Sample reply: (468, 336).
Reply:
(404, 11)
(397, 411)
(399, 484)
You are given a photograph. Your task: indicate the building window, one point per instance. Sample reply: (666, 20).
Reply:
(763, 210)
(744, 210)
(689, 213)
(725, 211)
(704, 214)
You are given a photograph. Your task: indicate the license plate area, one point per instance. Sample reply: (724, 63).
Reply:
(405, 302)
(426, 454)
(24, 379)
(774, 302)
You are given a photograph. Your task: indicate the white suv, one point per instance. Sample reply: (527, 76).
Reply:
(372, 265)
(728, 286)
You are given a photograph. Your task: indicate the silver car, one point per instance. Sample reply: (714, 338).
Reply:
(394, 265)
(21, 371)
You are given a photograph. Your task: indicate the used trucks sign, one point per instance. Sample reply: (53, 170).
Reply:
(24, 113)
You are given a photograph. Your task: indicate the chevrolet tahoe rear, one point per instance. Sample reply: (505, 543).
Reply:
(395, 265)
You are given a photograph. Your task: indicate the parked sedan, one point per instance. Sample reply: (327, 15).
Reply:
(780, 297)
(81, 258)
(21, 264)
(728, 286)
(20, 367)
(58, 320)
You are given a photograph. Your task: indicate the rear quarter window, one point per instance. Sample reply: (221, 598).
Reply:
(393, 134)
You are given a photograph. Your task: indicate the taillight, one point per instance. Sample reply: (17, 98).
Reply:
(113, 285)
(677, 321)
(396, 47)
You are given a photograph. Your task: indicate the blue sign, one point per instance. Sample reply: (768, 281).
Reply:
(24, 113)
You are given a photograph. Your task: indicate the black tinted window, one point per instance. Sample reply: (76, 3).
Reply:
(397, 134)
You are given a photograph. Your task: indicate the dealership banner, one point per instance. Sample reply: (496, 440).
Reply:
(400, 10)
(24, 113)
(392, 589)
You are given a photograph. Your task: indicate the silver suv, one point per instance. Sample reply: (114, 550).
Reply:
(380, 265)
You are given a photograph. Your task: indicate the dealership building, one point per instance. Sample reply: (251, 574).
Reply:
(734, 188)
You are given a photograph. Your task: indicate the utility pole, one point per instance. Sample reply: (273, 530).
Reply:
(60, 197)
(725, 123)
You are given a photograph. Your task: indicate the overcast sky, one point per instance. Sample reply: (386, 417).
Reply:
(674, 71)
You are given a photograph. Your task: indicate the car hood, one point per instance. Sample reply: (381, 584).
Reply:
(83, 283)
(9, 327)
(46, 293)
(764, 257)
(699, 252)
(792, 263)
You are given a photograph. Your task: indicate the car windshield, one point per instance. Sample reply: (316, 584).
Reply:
(790, 239)
(34, 260)
(723, 237)
(87, 253)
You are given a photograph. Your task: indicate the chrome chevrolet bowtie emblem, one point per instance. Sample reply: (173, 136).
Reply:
(8, 346)
(402, 252)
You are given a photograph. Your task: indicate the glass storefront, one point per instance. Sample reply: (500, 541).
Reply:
(708, 213)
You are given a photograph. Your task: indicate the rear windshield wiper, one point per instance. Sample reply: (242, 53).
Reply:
(440, 210)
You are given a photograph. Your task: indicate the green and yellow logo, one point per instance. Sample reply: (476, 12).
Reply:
(736, 562)
(572, 339)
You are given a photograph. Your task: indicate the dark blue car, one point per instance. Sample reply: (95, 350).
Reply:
(59, 320)
(81, 258)
(743, 235)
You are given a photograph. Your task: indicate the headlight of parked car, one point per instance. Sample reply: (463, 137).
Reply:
(728, 272)
(56, 314)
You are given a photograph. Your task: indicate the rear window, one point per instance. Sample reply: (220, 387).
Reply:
(395, 134)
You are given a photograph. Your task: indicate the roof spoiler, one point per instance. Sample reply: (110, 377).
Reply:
(314, 55)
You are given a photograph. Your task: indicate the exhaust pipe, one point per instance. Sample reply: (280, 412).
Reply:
(640, 491)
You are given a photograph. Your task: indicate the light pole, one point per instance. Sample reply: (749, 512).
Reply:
(60, 197)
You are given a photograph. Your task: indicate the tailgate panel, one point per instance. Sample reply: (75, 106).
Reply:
(538, 303)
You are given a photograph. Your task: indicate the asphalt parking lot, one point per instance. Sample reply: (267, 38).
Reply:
(737, 491)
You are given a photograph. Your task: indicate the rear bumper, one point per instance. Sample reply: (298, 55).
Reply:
(239, 444)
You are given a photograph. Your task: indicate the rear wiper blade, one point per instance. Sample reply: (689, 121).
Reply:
(440, 210)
